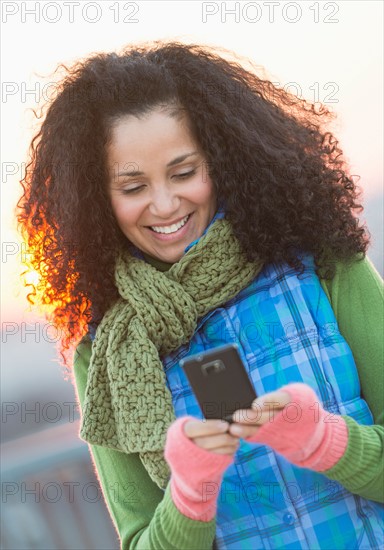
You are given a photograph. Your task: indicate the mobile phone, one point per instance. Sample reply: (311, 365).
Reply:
(219, 381)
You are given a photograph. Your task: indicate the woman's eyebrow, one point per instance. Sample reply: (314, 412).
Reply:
(181, 158)
(177, 160)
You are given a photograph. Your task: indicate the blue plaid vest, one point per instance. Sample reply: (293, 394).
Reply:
(286, 332)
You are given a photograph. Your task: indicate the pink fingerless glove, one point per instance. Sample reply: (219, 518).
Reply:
(196, 473)
(303, 432)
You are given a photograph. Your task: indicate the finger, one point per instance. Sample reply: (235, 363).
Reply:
(198, 428)
(254, 417)
(263, 409)
(243, 431)
(247, 416)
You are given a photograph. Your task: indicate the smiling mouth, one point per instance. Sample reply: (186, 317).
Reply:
(169, 229)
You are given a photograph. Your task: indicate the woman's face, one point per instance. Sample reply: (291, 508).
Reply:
(161, 194)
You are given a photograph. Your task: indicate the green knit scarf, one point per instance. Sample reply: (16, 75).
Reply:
(127, 405)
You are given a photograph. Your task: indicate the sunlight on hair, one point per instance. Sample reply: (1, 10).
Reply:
(32, 278)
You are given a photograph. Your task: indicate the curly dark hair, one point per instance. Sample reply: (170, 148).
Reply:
(278, 169)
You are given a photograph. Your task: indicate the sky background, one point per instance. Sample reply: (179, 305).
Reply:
(324, 51)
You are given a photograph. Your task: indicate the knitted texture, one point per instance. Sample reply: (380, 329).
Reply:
(312, 438)
(127, 404)
(196, 473)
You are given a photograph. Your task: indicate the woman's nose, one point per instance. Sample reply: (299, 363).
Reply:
(164, 202)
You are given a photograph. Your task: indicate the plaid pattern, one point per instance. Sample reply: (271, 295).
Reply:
(286, 332)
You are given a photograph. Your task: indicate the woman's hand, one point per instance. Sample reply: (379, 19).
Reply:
(247, 422)
(212, 435)
(294, 423)
(198, 453)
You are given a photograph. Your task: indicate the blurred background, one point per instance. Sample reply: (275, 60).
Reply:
(324, 51)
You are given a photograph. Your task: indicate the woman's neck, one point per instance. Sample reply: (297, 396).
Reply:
(159, 264)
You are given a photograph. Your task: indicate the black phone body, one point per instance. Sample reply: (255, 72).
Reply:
(219, 381)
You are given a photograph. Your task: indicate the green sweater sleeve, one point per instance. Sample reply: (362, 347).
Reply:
(144, 516)
(356, 296)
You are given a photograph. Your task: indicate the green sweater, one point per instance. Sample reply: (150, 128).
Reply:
(145, 516)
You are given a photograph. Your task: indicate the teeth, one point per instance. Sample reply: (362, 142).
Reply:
(171, 228)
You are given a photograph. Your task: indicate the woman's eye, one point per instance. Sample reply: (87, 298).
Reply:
(181, 176)
(185, 174)
(132, 190)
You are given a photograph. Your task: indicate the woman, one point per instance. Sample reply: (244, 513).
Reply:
(178, 202)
